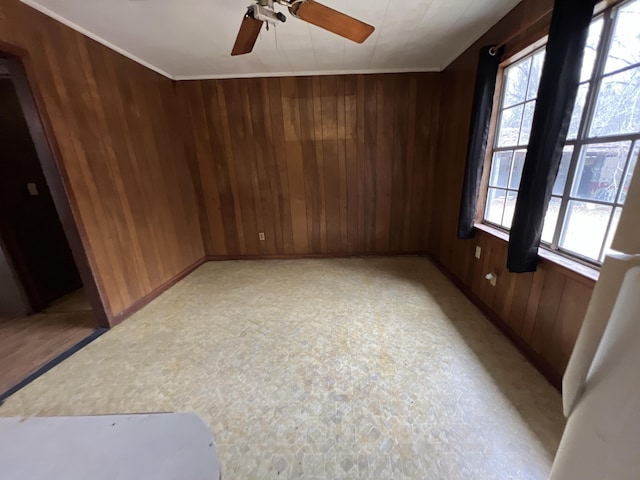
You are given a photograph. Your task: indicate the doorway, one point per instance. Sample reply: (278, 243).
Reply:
(49, 301)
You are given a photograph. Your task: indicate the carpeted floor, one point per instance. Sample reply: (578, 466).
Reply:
(349, 368)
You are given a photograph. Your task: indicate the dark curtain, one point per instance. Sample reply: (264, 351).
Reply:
(556, 96)
(478, 136)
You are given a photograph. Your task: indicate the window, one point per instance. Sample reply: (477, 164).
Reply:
(602, 146)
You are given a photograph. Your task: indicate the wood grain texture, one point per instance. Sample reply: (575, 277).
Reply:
(321, 165)
(28, 343)
(113, 128)
(332, 20)
(542, 310)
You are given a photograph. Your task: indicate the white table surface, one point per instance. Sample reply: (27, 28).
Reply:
(159, 446)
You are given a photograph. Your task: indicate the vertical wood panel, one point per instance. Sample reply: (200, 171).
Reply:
(293, 142)
(280, 163)
(409, 209)
(342, 162)
(352, 161)
(318, 190)
(331, 178)
(363, 244)
(385, 86)
(520, 302)
(533, 304)
(368, 172)
(573, 308)
(424, 156)
(547, 310)
(313, 188)
(263, 185)
(399, 198)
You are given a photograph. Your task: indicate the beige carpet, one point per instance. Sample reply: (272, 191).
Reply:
(350, 368)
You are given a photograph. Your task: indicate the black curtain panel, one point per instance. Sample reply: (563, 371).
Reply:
(556, 96)
(478, 137)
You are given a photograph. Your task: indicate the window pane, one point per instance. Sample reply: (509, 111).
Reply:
(625, 45)
(563, 171)
(629, 174)
(578, 108)
(527, 120)
(590, 51)
(551, 219)
(536, 71)
(495, 205)
(617, 109)
(515, 86)
(612, 231)
(516, 171)
(510, 126)
(584, 228)
(500, 168)
(600, 170)
(509, 208)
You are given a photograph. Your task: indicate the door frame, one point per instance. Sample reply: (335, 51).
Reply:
(15, 60)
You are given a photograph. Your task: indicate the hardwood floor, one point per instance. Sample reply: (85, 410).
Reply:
(28, 343)
(74, 302)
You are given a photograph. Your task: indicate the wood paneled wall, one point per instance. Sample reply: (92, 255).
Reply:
(321, 165)
(124, 165)
(543, 312)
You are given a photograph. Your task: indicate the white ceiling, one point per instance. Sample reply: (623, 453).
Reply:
(188, 39)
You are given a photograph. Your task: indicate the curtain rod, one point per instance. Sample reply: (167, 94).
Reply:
(600, 6)
(493, 50)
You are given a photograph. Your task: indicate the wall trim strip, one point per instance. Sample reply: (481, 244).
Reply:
(299, 256)
(306, 73)
(160, 289)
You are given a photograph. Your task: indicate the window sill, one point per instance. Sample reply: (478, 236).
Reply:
(557, 259)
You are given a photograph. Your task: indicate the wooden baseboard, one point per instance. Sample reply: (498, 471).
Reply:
(552, 376)
(141, 302)
(297, 256)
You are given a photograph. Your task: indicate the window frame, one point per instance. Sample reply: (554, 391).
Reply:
(496, 118)
(609, 16)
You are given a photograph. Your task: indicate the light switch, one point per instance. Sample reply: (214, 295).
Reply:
(33, 189)
(478, 251)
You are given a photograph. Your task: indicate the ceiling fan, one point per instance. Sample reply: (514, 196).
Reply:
(308, 10)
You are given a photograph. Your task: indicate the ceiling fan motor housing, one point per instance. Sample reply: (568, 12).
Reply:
(267, 14)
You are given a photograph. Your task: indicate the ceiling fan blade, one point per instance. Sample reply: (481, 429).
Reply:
(332, 20)
(247, 35)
